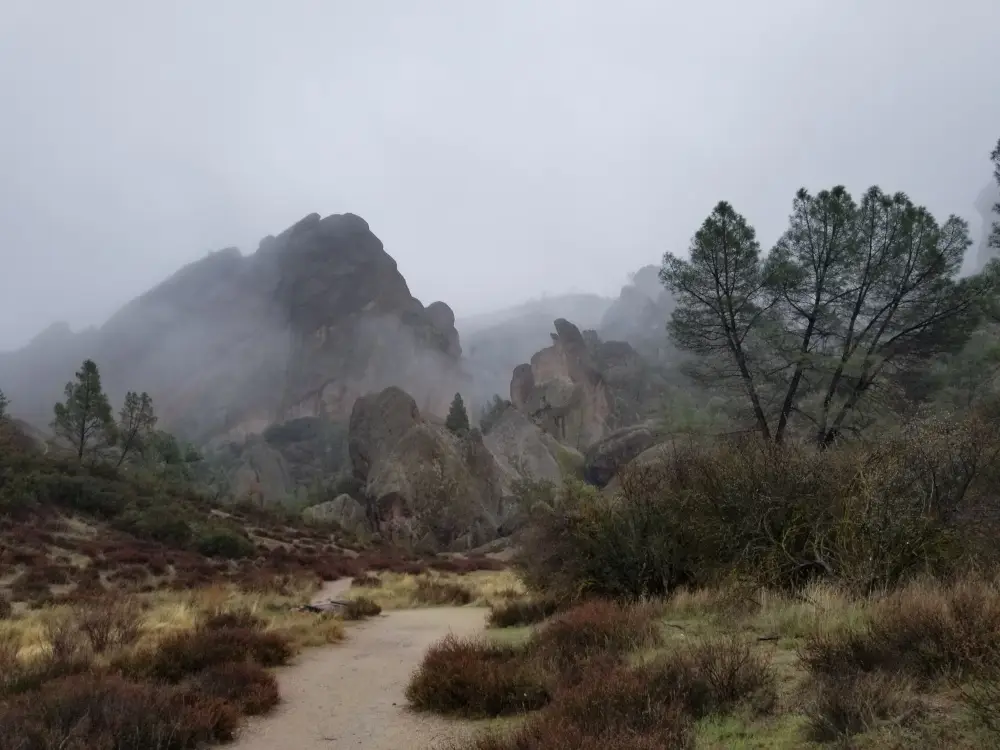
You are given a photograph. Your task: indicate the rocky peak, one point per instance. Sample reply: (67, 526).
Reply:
(316, 318)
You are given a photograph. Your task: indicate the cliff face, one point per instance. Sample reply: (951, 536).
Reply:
(318, 316)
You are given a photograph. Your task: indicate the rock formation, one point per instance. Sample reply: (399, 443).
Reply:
(230, 344)
(424, 486)
(581, 388)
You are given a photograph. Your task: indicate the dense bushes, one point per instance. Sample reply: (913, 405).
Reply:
(184, 691)
(574, 668)
(869, 516)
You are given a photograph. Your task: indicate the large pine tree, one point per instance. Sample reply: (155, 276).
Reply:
(84, 419)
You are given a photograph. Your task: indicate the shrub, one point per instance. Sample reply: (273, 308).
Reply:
(436, 592)
(714, 676)
(594, 628)
(925, 631)
(366, 580)
(239, 619)
(6, 608)
(360, 608)
(110, 713)
(845, 705)
(881, 512)
(185, 654)
(521, 611)
(476, 679)
(224, 543)
(246, 686)
(109, 623)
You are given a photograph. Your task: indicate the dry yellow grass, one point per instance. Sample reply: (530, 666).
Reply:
(403, 591)
(168, 612)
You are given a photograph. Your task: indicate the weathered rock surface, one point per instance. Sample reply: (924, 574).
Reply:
(523, 451)
(344, 511)
(424, 486)
(230, 344)
(582, 388)
(605, 458)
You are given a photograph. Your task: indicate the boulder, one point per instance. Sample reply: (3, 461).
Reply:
(262, 476)
(522, 450)
(607, 456)
(343, 510)
(378, 422)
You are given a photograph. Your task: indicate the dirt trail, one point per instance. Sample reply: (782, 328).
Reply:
(350, 695)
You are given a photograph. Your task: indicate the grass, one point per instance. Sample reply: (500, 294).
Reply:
(435, 589)
(750, 668)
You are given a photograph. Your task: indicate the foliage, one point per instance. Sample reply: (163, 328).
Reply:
(457, 420)
(491, 412)
(4, 407)
(917, 500)
(475, 679)
(84, 420)
(135, 425)
(851, 299)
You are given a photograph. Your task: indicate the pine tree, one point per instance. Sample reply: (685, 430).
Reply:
(4, 406)
(135, 424)
(84, 419)
(458, 418)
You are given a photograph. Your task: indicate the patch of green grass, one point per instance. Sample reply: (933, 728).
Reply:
(737, 732)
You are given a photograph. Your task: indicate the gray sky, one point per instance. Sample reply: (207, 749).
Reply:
(500, 150)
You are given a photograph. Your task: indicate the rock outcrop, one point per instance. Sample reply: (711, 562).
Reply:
(424, 486)
(582, 388)
(230, 344)
(343, 510)
(605, 458)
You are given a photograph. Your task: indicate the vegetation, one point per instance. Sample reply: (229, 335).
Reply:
(84, 420)
(457, 420)
(491, 412)
(852, 299)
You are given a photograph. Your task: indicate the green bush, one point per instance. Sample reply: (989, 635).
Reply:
(225, 543)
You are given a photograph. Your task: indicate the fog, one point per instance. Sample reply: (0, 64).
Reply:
(501, 151)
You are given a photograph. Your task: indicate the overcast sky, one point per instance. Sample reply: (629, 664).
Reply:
(500, 150)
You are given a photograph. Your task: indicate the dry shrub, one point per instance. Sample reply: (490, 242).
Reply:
(436, 592)
(242, 619)
(65, 640)
(982, 697)
(594, 628)
(361, 608)
(366, 580)
(110, 623)
(6, 608)
(849, 704)
(521, 611)
(247, 686)
(476, 679)
(185, 654)
(89, 712)
(714, 676)
(611, 709)
(924, 631)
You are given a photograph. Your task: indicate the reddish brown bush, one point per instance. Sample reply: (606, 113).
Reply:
(594, 628)
(90, 712)
(521, 611)
(476, 679)
(186, 654)
(247, 686)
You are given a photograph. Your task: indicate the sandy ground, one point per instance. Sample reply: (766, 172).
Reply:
(350, 695)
